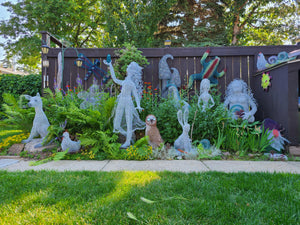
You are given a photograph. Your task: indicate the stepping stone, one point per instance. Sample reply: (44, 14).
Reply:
(30, 147)
(294, 150)
(7, 162)
(16, 149)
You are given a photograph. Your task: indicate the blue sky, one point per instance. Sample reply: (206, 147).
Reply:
(4, 15)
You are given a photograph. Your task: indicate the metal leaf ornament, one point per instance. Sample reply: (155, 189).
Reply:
(93, 68)
(266, 81)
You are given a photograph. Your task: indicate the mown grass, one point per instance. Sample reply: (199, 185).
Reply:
(106, 198)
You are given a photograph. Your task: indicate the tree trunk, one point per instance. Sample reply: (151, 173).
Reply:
(236, 31)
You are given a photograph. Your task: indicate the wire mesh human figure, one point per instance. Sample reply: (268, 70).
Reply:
(126, 117)
(240, 100)
(205, 97)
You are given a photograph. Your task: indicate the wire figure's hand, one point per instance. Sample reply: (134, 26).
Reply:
(106, 63)
(139, 108)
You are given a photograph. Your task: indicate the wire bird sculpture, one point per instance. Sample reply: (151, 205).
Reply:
(93, 68)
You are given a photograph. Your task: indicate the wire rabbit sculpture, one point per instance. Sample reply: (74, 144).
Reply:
(183, 143)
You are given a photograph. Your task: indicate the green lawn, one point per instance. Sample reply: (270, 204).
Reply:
(106, 198)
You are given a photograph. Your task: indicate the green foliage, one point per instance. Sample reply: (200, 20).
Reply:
(190, 24)
(18, 85)
(243, 137)
(167, 122)
(16, 117)
(92, 126)
(150, 100)
(80, 22)
(267, 22)
(179, 198)
(127, 55)
(133, 21)
(141, 150)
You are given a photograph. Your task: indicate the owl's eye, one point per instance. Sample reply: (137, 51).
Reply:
(148, 119)
(154, 119)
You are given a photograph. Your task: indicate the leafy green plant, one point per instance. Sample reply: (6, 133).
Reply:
(150, 100)
(16, 117)
(127, 55)
(206, 125)
(167, 122)
(141, 150)
(17, 85)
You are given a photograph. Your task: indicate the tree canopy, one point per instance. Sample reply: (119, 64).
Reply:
(146, 23)
(78, 21)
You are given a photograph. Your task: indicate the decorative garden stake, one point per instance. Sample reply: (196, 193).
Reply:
(126, 117)
(205, 97)
(59, 72)
(40, 121)
(266, 81)
(93, 68)
(239, 99)
(152, 131)
(67, 143)
(183, 143)
(209, 70)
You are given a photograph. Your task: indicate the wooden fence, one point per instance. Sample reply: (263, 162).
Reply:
(240, 62)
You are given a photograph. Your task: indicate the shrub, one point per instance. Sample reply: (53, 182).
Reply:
(127, 55)
(18, 85)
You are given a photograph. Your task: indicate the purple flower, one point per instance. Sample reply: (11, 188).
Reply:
(78, 80)
(55, 84)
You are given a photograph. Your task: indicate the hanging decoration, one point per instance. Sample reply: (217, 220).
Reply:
(266, 81)
(93, 68)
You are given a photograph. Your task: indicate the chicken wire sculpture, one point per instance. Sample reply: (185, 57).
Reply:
(183, 143)
(68, 144)
(91, 97)
(205, 98)
(167, 75)
(239, 99)
(126, 117)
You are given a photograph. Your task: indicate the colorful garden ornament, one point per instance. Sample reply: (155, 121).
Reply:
(274, 60)
(93, 68)
(266, 81)
(209, 70)
(239, 99)
(126, 117)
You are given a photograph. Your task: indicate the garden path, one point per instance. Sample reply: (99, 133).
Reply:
(228, 166)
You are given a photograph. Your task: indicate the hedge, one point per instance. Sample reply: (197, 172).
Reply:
(18, 85)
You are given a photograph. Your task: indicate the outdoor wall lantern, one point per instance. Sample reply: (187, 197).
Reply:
(45, 49)
(79, 62)
(168, 43)
(46, 63)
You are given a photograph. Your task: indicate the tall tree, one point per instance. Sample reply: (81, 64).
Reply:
(194, 23)
(260, 22)
(78, 21)
(133, 21)
(230, 22)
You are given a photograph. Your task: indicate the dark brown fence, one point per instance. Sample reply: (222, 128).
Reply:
(240, 62)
